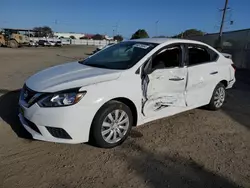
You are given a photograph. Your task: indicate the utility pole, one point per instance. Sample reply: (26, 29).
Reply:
(156, 28)
(116, 27)
(222, 23)
(56, 22)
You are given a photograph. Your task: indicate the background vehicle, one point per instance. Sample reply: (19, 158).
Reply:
(12, 38)
(44, 43)
(124, 85)
(56, 43)
(33, 43)
(59, 43)
(52, 43)
(2, 40)
(65, 41)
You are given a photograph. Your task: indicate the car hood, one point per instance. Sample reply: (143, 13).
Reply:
(69, 75)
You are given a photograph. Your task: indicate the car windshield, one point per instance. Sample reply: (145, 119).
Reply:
(122, 56)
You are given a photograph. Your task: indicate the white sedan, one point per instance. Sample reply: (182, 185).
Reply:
(128, 84)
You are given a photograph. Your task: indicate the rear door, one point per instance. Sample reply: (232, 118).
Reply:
(165, 84)
(203, 74)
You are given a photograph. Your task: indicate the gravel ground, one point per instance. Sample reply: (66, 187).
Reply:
(198, 148)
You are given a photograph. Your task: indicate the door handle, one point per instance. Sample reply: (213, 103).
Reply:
(176, 79)
(215, 72)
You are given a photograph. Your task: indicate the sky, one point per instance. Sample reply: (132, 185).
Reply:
(157, 17)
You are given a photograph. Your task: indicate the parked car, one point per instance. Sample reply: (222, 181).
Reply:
(55, 43)
(102, 47)
(52, 43)
(65, 41)
(44, 43)
(123, 86)
(58, 43)
(33, 43)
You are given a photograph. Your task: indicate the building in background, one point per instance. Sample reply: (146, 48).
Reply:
(69, 35)
(78, 35)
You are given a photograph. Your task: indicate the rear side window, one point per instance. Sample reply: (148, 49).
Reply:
(200, 54)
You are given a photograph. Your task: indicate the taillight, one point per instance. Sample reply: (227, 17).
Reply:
(233, 67)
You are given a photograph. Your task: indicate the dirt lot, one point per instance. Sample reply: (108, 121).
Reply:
(198, 148)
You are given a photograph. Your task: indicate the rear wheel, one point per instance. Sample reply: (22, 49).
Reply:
(111, 125)
(218, 97)
(13, 44)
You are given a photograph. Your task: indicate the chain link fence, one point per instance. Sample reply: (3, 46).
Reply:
(236, 43)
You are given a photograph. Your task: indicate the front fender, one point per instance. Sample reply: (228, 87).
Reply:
(99, 94)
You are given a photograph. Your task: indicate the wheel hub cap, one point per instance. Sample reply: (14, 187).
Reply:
(115, 126)
(219, 97)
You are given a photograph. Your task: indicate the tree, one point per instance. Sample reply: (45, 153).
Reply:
(98, 37)
(118, 38)
(44, 31)
(72, 37)
(189, 33)
(141, 33)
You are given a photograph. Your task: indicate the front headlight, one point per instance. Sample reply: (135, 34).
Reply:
(61, 99)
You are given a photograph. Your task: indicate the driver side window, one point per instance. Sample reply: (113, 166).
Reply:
(169, 57)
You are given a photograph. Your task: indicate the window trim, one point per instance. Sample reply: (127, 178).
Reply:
(198, 46)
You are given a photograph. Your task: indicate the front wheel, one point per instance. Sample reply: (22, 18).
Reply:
(111, 125)
(218, 97)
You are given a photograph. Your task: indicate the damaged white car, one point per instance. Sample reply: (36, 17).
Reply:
(128, 84)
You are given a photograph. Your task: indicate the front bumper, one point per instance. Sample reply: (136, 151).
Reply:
(61, 124)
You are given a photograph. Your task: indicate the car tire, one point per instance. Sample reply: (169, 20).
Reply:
(111, 125)
(218, 97)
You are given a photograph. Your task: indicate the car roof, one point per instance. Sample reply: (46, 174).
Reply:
(167, 40)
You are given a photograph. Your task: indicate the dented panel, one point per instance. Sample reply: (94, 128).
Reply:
(160, 92)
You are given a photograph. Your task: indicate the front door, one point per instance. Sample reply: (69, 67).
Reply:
(164, 85)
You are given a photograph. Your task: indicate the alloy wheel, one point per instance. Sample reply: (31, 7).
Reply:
(219, 97)
(115, 126)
